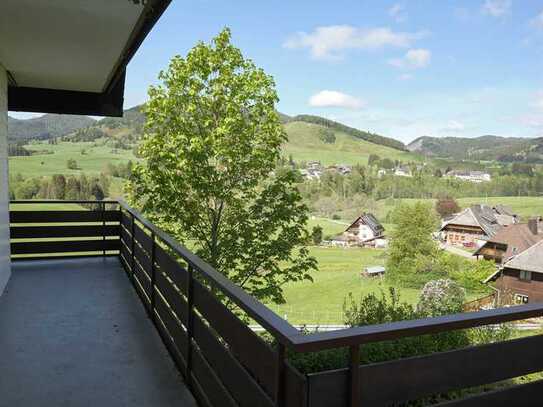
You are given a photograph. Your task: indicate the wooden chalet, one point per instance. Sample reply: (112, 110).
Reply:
(520, 279)
(477, 224)
(510, 241)
(366, 230)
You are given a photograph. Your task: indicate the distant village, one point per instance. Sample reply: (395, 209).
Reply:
(494, 233)
(314, 170)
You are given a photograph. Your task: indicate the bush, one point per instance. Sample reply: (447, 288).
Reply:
(378, 309)
(316, 235)
(327, 136)
(447, 206)
(441, 297)
(72, 164)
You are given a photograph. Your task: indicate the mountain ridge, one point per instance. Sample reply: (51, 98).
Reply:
(483, 148)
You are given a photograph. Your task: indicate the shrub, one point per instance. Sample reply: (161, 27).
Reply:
(316, 235)
(72, 164)
(440, 297)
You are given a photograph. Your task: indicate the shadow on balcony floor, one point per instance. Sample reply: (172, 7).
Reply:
(73, 333)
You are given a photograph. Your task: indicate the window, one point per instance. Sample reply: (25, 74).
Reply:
(525, 275)
(521, 299)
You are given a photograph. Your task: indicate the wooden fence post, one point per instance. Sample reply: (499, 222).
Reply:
(354, 376)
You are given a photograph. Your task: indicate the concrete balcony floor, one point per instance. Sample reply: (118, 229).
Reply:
(73, 333)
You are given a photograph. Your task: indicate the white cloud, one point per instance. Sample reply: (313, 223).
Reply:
(330, 41)
(455, 126)
(537, 22)
(413, 59)
(397, 13)
(332, 98)
(497, 8)
(405, 77)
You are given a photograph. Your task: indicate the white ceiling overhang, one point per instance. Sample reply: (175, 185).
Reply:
(72, 45)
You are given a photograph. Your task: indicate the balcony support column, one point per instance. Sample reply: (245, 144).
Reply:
(5, 265)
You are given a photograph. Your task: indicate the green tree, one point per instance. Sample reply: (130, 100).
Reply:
(212, 140)
(72, 164)
(373, 159)
(316, 235)
(447, 206)
(412, 252)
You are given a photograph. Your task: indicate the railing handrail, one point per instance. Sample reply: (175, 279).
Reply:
(57, 201)
(254, 308)
(289, 336)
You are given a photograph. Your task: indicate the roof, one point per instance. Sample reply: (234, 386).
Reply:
(528, 260)
(371, 221)
(375, 269)
(488, 219)
(70, 56)
(517, 237)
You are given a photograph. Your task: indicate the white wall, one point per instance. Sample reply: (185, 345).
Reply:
(5, 271)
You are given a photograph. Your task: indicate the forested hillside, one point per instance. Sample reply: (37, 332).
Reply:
(487, 148)
(46, 126)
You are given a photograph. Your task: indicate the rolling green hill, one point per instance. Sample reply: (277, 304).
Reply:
(46, 126)
(305, 145)
(486, 148)
(351, 145)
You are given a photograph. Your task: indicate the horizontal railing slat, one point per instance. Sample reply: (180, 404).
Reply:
(211, 385)
(64, 246)
(244, 343)
(39, 232)
(417, 377)
(142, 257)
(170, 344)
(233, 375)
(175, 330)
(524, 395)
(175, 299)
(63, 216)
(143, 239)
(171, 268)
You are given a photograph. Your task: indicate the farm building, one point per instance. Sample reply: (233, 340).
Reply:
(373, 271)
(477, 224)
(366, 230)
(520, 279)
(511, 240)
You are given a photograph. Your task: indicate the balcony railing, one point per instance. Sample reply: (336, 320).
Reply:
(225, 363)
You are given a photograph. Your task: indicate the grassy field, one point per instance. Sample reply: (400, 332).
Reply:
(339, 274)
(304, 145)
(53, 158)
(525, 206)
(321, 301)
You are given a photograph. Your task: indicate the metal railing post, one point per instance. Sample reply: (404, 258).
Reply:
(354, 376)
(280, 376)
(104, 228)
(133, 247)
(190, 323)
(153, 274)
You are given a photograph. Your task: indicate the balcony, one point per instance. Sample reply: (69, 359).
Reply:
(102, 305)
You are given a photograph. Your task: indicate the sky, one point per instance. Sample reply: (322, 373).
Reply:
(403, 69)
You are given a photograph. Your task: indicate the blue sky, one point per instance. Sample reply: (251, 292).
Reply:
(403, 69)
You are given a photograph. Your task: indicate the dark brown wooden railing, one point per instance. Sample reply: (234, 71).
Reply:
(226, 364)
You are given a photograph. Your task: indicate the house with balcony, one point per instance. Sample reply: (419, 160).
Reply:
(510, 241)
(475, 225)
(519, 280)
(100, 307)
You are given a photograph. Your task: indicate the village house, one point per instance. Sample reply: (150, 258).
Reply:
(366, 230)
(510, 241)
(520, 279)
(402, 172)
(471, 176)
(476, 225)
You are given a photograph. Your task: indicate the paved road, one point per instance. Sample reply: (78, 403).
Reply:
(458, 251)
